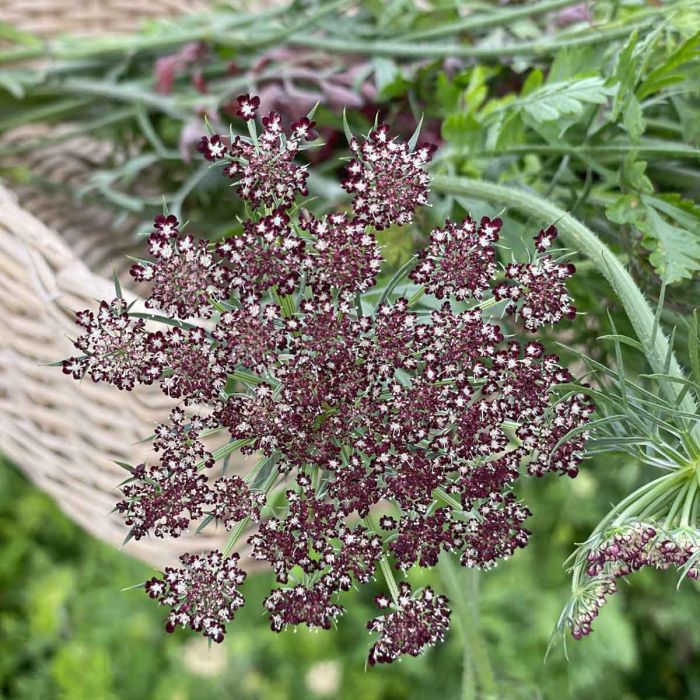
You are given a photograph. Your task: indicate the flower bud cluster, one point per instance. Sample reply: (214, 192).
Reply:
(536, 291)
(387, 179)
(628, 549)
(263, 167)
(163, 498)
(185, 276)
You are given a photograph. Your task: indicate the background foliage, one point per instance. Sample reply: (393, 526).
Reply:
(69, 630)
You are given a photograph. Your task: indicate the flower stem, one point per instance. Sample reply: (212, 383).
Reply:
(463, 588)
(243, 525)
(494, 19)
(579, 237)
(389, 578)
(409, 49)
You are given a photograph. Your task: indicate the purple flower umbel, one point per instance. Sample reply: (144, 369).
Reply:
(399, 424)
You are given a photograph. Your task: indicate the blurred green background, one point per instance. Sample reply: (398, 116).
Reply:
(69, 630)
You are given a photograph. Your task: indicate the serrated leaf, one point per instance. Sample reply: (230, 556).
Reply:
(676, 251)
(627, 209)
(555, 100)
(683, 211)
(575, 62)
(667, 73)
(633, 118)
(634, 174)
(461, 129)
(626, 74)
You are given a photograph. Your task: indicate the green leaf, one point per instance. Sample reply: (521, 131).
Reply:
(676, 251)
(556, 100)
(385, 71)
(693, 345)
(634, 174)
(416, 135)
(627, 209)
(667, 73)
(683, 211)
(117, 286)
(633, 118)
(575, 62)
(447, 94)
(346, 128)
(626, 74)
(462, 129)
(533, 82)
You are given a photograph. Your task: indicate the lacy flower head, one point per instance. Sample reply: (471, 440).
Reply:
(393, 427)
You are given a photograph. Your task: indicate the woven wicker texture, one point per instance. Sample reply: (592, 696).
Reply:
(47, 18)
(56, 257)
(61, 433)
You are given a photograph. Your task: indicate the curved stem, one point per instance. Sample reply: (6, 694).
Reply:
(483, 21)
(408, 49)
(579, 237)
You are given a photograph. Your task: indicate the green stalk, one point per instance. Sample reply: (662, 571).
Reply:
(579, 237)
(495, 19)
(222, 28)
(389, 578)
(243, 525)
(462, 587)
(645, 148)
(106, 45)
(406, 49)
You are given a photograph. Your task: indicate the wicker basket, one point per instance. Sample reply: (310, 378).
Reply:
(55, 259)
(48, 18)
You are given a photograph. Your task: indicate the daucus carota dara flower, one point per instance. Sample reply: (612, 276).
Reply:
(399, 425)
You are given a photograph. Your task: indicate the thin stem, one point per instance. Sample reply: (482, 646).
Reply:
(646, 148)
(440, 50)
(495, 19)
(463, 588)
(243, 525)
(385, 566)
(674, 508)
(688, 505)
(396, 278)
(579, 237)
(218, 26)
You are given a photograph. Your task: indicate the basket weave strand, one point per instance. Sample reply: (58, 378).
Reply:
(49, 18)
(56, 257)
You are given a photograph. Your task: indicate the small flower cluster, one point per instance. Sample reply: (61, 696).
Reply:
(388, 179)
(164, 498)
(459, 261)
(264, 167)
(359, 402)
(185, 277)
(626, 550)
(310, 606)
(537, 290)
(417, 621)
(114, 346)
(202, 595)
